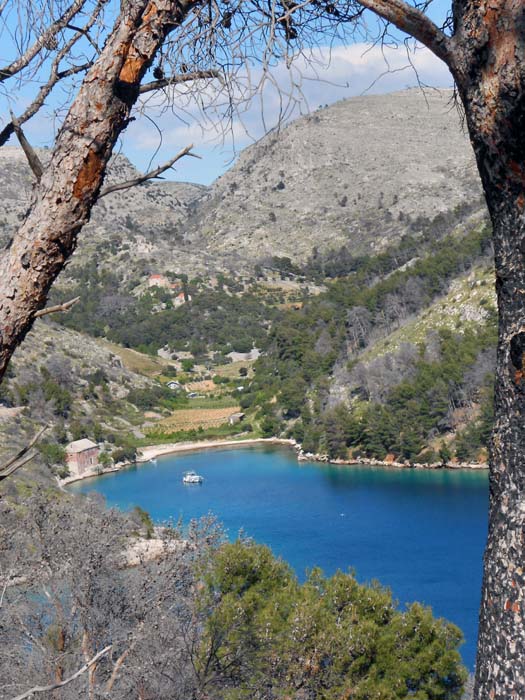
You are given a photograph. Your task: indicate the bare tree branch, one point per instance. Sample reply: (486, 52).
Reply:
(18, 465)
(61, 684)
(38, 102)
(414, 22)
(76, 169)
(22, 457)
(44, 40)
(147, 176)
(5, 587)
(85, 32)
(59, 307)
(55, 76)
(179, 78)
(32, 158)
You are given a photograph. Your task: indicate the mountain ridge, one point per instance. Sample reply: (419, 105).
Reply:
(358, 174)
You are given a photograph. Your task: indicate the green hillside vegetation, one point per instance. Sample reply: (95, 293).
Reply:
(424, 232)
(363, 319)
(338, 328)
(220, 620)
(219, 320)
(413, 412)
(329, 637)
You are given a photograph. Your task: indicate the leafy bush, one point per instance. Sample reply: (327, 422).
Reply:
(52, 453)
(145, 520)
(124, 454)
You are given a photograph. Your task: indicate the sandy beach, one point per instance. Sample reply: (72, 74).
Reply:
(146, 454)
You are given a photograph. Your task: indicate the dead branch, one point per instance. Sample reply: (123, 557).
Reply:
(4, 588)
(179, 78)
(55, 76)
(85, 33)
(22, 457)
(56, 309)
(45, 39)
(18, 465)
(414, 22)
(148, 176)
(32, 158)
(61, 684)
(38, 102)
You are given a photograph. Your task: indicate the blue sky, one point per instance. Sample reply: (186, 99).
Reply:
(332, 75)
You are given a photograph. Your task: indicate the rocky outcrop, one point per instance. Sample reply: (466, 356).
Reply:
(359, 173)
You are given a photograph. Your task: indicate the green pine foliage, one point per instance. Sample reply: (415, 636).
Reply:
(413, 411)
(293, 377)
(214, 319)
(327, 639)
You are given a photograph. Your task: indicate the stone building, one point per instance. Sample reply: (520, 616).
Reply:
(236, 418)
(81, 456)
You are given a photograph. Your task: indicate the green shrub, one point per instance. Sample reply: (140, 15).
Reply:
(331, 637)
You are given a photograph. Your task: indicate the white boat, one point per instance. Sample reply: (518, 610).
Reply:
(192, 478)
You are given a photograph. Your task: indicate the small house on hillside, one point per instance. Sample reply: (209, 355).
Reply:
(81, 456)
(180, 299)
(236, 418)
(159, 281)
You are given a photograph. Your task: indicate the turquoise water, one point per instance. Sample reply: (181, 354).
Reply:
(419, 532)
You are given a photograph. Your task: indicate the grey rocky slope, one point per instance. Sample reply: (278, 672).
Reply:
(61, 377)
(133, 230)
(357, 173)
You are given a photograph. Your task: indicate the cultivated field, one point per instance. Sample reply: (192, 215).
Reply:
(232, 370)
(193, 418)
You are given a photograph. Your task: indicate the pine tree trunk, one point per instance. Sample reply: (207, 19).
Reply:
(491, 82)
(501, 644)
(69, 187)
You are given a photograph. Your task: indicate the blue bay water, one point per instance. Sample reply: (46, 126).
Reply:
(421, 533)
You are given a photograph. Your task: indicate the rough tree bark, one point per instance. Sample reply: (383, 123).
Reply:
(489, 70)
(70, 185)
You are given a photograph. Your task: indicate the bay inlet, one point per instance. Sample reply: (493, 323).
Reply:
(419, 532)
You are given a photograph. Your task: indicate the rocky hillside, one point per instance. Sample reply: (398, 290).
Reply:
(76, 385)
(375, 200)
(358, 173)
(134, 231)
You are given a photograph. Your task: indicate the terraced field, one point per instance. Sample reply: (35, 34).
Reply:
(194, 418)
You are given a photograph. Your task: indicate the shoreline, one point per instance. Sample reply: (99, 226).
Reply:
(151, 452)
